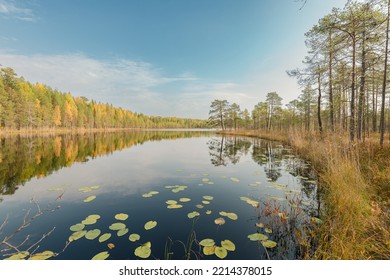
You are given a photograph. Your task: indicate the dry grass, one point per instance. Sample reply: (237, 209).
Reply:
(355, 180)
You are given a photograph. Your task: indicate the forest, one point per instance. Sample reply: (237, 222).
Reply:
(27, 106)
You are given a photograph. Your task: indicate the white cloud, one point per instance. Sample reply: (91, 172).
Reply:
(9, 10)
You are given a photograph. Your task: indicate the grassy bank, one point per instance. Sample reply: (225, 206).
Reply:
(355, 180)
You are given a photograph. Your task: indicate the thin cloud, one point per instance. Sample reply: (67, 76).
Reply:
(9, 10)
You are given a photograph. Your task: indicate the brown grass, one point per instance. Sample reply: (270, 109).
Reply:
(355, 180)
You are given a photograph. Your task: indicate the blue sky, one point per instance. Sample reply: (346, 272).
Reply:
(160, 57)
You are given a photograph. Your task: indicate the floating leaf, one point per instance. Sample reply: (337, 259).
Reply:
(205, 202)
(268, 230)
(228, 245)
(18, 256)
(55, 189)
(169, 187)
(200, 206)
(149, 225)
(42, 256)
(207, 197)
(122, 232)
(154, 192)
(121, 217)
(90, 198)
(205, 180)
(184, 199)
(193, 214)
(232, 216)
(260, 225)
(77, 227)
(93, 217)
(171, 202)
(134, 237)
(208, 212)
(208, 250)
(77, 235)
(101, 256)
(117, 226)
(111, 246)
(220, 252)
(147, 195)
(244, 198)
(257, 237)
(104, 237)
(219, 221)
(89, 221)
(85, 189)
(143, 251)
(235, 179)
(174, 206)
(94, 187)
(207, 242)
(92, 234)
(223, 213)
(269, 243)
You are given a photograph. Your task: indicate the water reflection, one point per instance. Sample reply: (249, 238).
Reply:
(23, 158)
(225, 150)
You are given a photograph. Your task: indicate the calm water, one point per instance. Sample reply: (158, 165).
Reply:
(269, 190)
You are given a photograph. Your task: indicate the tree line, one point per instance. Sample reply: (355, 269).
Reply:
(24, 105)
(344, 79)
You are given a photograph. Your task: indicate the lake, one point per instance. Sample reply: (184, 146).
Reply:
(155, 195)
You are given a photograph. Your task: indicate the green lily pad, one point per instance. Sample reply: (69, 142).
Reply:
(205, 202)
(18, 256)
(171, 202)
(235, 179)
(223, 213)
(89, 198)
(232, 216)
(42, 256)
(207, 242)
(219, 221)
(143, 251)
(193, 214)
(122, 232)
(269, 243)
(174, 206)
(149, 225)
(88, 221)
(257, 237)
(93, 217)
(208, 250)
(77, 227)
(228, 245)
(208, 197)
(77, 235)
(134, 237)
(117, 226)
(200, 206)
(268, 230)
(121, 217)
(220, 252)
(184, 199)
(92, 234)
(104, 237)
(101, 256)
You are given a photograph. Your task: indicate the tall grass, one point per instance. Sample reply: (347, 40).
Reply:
(355, 181)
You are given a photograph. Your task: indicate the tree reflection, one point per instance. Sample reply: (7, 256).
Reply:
(225, 150)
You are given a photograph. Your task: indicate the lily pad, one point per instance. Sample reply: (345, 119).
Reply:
(18, 256)
(122, 232)
(134, 237)
(94, 187)
(42, 256)
(55, 189)
(260, 225)
(220, 252)
(232, 216)
(268, 230)
(269, 243)
(193, 214)
(205, 180)
(200, 206)
(154, 192)
(223, 213)
(77, 235)
(93, 217)
(92, 234)
(207, 242)
(77, 227)
(208, 250)
(121, 217)
(184, 199)
(174, 206)
(235, 179)
(207, 197)
(89, 221)
(104, 237)
(208, 212)
(101, 256)
(143, 251)
(257, 237)
(228, 245)
(205, 202)
(89, 198)
(117, 226)
(111, 246)
(171, 202)
(219, 221)
(149, 225)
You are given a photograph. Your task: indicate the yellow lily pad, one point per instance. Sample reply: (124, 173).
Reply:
(89, 198)
(92, 234)
(208, 212)
(174, 206)
(18, 256)
(268, 230)
(104, 237)
(208, 250)
(121, 216)
(134, 237)
(207, 242)
(77, 235)
(117, 226)
(111, 246)
(228, 245)
(42, 256)
(232, 216)
(205, 202)
(184, 199)
(143, 251)
(77, 227)
(193, 214)
(149, 225)
(208, 197)
(235, 179)
(257, 237)
(101, 256)
(269, 243)
(220, 252)
(219, 221)
(122, 232)
(171, 202)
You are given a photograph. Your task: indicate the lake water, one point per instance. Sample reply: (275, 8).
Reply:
(190, 186)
